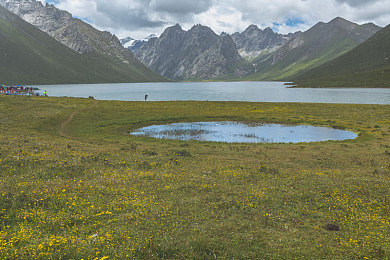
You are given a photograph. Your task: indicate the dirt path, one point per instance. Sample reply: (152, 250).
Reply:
(61, 130)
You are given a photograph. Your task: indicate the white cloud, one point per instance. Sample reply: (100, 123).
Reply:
(222, 19)
(358, 2)
(181, 7)
(138, 18)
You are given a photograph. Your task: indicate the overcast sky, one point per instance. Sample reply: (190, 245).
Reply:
(139, 18)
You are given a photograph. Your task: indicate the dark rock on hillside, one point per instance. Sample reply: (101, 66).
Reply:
(196, 54)
(253, 41)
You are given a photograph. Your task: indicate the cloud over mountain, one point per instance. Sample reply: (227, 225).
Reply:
(358, 2)
(142, 17)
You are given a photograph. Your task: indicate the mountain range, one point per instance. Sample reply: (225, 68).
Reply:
(253, 42)
(104, 48)
(196, 54)
(367, 65)
(177, 54)
(321, 43)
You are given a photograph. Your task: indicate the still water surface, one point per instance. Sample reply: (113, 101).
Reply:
(219, 91)
(235, 132)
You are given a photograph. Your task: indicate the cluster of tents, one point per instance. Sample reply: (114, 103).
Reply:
(16, 90)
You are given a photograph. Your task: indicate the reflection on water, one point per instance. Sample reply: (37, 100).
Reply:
(235, 132)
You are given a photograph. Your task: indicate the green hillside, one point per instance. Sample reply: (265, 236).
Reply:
(30, 56)
(320, 44)
(367, 65)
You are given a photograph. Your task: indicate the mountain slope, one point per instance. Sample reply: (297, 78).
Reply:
(196, 54)
(30, 56)
(367, 65)
(80, 36)
(253, 41)
(321, 43)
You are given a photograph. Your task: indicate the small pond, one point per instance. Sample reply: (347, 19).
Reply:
(236, 132)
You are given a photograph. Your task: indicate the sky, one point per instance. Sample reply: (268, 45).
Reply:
(140, 18)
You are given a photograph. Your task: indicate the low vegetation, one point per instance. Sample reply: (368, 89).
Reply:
(366, 66)
(85, 189)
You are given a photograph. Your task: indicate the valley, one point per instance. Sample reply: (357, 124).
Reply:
(197, 54)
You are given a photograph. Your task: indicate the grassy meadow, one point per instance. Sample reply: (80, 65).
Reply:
(75, 185)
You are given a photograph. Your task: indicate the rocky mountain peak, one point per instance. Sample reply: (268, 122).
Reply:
(342, 28)
(370, 27)
(173, 29)
(343, 23)
(195, 54)
(51, 20)
(339, 19)
(173, 35)
(253, 41)
(176, 27)
(251, 28)
(268, 30)
(203, 35)
(198, 28)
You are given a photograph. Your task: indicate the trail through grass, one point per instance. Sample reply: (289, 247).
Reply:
(62, 129)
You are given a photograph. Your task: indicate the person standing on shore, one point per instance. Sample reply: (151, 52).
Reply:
(146, 97)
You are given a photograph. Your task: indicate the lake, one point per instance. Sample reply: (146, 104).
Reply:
(236, 132)
(219, 91)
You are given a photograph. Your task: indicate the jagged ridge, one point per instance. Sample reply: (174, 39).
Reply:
(196, 54)
(253, 42)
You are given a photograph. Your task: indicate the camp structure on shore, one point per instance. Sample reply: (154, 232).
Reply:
(17, 90)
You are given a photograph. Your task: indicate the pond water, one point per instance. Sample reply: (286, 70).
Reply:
(219, 91)
(236, 132)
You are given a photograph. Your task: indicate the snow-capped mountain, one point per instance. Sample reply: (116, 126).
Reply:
(133, 44)
(126, 40)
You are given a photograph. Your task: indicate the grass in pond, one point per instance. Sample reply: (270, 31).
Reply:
(181, 132)
(87, 189)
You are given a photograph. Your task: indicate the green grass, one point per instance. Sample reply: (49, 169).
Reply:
(320, 44)
(95, 191)
(298, 61)
(367, 65)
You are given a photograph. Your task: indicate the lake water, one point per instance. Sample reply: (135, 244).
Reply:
(235, 132)
(219, 91)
